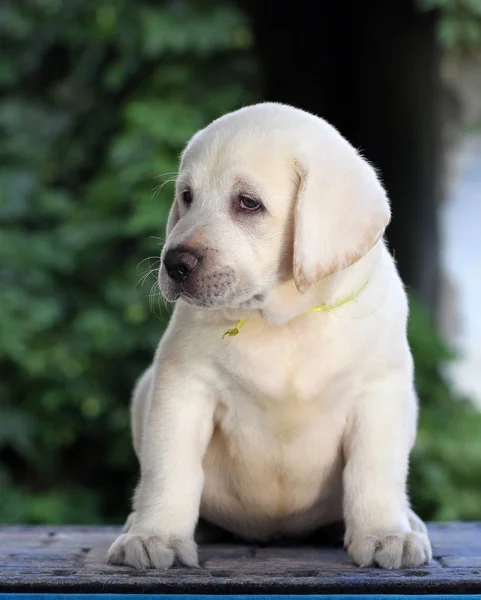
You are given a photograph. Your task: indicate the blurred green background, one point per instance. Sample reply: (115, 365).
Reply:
(99, 98)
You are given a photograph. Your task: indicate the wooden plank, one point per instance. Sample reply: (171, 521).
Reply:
(73, 560)
(233, 597)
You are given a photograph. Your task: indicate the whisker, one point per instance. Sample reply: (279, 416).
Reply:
(168, 173)
(154, 237)
(177, 178)
(165, 303)
(153, 301)
(157, 258)
(152, 269)
(156, 191)
(144, 277)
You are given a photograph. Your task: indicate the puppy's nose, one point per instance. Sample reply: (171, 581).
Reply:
(179, 263)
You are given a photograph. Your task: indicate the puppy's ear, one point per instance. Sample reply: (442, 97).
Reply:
(341, 212)
(174, 216)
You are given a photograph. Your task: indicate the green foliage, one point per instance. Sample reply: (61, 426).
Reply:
(99, 98)
(459, 23)
(445, 475)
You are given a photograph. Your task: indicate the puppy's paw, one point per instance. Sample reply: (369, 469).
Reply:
(152, 551)
(390, 550)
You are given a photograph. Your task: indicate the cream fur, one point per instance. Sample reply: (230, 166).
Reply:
(303, 418)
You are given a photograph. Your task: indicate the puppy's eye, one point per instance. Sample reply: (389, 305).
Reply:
(187, 197)
(248, 203)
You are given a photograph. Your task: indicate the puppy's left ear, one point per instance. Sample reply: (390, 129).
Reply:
(341, 212)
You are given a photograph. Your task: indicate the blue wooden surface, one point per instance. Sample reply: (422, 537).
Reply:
(65, 561)
(236, 597)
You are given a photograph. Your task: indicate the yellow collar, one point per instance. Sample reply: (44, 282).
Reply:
(320, 307)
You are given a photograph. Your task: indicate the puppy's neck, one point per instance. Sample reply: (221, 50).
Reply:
(284, 302)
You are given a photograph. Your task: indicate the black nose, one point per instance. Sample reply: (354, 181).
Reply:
(179, 263)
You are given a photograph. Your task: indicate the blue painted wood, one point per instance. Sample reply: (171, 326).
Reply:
(235, 597)
(64, 561)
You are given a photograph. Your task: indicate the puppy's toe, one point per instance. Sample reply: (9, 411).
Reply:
(129, 550)
(160, 556)
(186, 552)
(389, 551)
(361, 549)
(417, 549)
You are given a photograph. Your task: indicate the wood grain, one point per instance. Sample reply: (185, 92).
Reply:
(73, 559)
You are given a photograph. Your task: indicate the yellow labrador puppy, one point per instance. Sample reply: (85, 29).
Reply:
(281, 396)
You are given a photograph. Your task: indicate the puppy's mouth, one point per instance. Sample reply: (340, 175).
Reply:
(252, 302)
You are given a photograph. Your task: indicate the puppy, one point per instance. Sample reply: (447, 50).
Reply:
(281, 396)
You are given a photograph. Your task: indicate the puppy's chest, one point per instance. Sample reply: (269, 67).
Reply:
(290, 369)
(259, 421)
(281, 393)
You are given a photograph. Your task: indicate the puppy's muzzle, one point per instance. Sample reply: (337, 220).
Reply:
(180, 263)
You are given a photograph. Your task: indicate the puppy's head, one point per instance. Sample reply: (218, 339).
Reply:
(266, 194)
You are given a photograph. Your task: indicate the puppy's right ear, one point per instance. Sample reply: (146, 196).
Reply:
(342, 209)
(174, 216)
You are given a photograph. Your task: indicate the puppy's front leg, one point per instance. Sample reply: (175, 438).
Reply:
(177, 430)
(376, 508)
